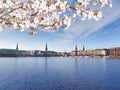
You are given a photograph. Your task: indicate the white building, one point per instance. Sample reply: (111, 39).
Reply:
(100, 52)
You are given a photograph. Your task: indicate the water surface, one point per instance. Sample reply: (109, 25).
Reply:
(59, 73)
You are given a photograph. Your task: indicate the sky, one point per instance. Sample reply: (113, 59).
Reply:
(104, 33)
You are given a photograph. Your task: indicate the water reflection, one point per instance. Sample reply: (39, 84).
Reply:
(104, 64)
(46, 73)
(46, 64)
(16, 61)
(76, 64)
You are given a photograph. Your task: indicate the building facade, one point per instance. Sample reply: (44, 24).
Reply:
(100, 52)
(114, 52)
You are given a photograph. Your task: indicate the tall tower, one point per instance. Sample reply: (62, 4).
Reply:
(83, 48)
(84, 53)
(17, 46)
(76, 50)
(46, 48)
(65, 53)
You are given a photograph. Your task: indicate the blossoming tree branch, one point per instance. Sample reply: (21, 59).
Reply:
(47, 14)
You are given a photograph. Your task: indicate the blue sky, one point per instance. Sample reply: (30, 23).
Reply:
(104, 33)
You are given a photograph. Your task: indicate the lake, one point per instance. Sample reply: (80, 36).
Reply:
(59, 73)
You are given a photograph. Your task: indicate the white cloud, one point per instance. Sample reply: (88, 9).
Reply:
(82, 29)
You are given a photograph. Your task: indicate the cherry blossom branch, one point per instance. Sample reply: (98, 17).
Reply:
(47, 14)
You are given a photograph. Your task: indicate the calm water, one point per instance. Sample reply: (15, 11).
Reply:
(59, 73)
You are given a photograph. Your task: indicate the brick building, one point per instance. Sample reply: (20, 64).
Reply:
(114, 52)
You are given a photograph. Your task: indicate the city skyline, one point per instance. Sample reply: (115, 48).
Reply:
(101, 34)
(46, 48)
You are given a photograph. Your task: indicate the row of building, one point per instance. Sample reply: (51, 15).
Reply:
(112, 52)
(21, 53)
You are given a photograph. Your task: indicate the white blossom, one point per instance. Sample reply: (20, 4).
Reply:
(48, 14)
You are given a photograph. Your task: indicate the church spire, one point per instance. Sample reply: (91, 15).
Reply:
(76, 50)
(83, 48)
(46, 48)
(17, 46)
